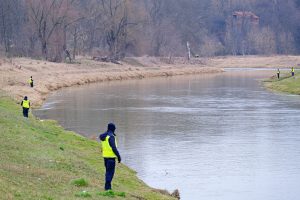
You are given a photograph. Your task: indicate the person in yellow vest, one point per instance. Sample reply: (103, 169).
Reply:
(110, 153)
(30, 81)
(26, 105)
(278, 74)
(293, 71)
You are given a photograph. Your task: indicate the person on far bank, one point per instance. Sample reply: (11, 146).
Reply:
(293, 71)
(278, 73)
(25, 105)
(110, 153)
(30, 81)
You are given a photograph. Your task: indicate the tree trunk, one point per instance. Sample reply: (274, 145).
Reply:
(75, 43)
(64, 47)
(45, 50)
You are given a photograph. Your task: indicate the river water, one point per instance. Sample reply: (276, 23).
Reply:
(213, 137)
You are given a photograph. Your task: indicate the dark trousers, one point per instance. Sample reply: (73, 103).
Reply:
(110, 164)
(278, 75)
(293, 73)
(25, 112)
(31, 84)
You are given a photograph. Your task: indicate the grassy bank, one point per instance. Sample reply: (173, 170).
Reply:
(286, 83)
(40, 160)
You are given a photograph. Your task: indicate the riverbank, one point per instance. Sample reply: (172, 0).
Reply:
(286, 84)
(49, 76)
(41, 160)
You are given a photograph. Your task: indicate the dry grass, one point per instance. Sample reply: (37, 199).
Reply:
(255, 61)
(49, 76)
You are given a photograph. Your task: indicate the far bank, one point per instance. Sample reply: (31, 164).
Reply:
(286, 83)
(49, 76)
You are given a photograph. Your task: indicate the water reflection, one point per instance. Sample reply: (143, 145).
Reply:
(218, 136)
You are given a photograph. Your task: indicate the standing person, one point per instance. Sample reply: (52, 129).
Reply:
(25, 105)
(110, 153)
(31, 81)
(293, 71)
(278, 73)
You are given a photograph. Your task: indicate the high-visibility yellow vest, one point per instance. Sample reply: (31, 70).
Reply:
(25, 104)
(293, 70)
(107, 151)
(30, 81)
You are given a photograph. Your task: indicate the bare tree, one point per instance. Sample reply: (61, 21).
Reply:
(5, 8)
(48, 16)
(115, 21)
(156, 20)
(11, 12)
(116, 28)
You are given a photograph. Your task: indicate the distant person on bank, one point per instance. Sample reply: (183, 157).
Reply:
(30, 81)
(293, 71)
(110, 153)
(278, 73)
(25, 105)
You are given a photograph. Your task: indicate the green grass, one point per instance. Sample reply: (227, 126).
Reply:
(83, 194)
(111, 193)
(41, 160)
(81, 182)
(286, 83)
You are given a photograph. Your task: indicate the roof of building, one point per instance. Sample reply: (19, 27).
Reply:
(249, 14)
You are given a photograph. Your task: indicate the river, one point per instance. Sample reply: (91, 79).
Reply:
(213, 137)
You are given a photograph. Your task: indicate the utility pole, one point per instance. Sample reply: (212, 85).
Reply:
(189, 50)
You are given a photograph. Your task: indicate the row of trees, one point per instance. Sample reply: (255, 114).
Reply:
(116, 28)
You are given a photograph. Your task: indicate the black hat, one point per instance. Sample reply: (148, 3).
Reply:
(111, 127)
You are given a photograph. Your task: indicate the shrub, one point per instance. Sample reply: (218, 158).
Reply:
(81, 182)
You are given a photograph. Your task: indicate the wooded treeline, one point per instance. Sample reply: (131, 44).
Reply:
(53, 29)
